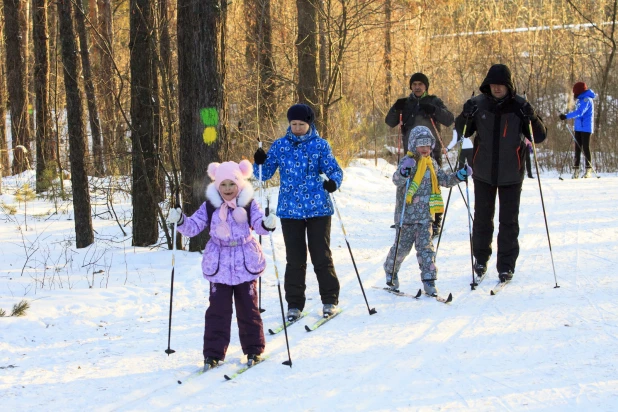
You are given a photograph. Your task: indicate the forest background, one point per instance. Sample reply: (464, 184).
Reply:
(138, 96)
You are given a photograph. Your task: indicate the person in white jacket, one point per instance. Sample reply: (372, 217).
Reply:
(466, 149)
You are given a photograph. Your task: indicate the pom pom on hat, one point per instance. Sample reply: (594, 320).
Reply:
(579, 88)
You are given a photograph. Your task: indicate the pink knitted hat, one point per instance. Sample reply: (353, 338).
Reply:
(236, 172)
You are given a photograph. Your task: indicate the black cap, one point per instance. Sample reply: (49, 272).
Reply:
(301, 112)
(419, 77)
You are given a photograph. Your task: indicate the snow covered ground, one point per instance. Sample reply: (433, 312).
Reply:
(95, 335)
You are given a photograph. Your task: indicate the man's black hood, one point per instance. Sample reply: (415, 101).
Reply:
(498, 74)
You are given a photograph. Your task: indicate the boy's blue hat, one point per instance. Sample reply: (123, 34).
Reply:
(301, 112)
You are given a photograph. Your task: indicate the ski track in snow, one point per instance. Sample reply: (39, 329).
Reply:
(532, 347)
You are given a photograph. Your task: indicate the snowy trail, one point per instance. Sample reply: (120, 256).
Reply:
(531, 347)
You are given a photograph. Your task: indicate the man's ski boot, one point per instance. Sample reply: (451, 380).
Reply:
(430, 287)
(506, 276)
(252, 359)
(293, 314)
(588, 173)
(210, 362)
(575, 173)
(480, 269)
(328, 309)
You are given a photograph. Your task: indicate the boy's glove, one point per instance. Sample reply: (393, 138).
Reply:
(329, 185)
(427, 108)
(406, 166)
(259, 157)
(562, 116)
(528, 111)
(464, 172)
(269, 222)
(175, 216)
(469, 109)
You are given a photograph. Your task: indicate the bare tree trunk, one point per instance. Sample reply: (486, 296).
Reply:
(77, 139)
(91, 97)
(307, 51)
(324, 64)
(5, 167)
(201, 73)
(112, 141)
(387, 53)
(16, 79)
(45, 153)
(145, 123)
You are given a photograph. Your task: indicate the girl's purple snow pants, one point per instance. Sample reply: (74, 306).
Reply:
(219, 319)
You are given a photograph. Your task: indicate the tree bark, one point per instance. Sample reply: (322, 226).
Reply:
(45, 153)
(307, 51)
(387, 53)
(5, 167)
(201, 73)
(77, 140)
(16, 68)
(145, 133)
(91, 97)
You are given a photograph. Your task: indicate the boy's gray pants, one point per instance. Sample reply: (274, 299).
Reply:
(418, 234)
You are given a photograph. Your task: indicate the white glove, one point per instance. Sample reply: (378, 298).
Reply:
(270, 221)
(175, 216)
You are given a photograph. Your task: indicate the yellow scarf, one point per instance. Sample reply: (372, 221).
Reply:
(436, 204)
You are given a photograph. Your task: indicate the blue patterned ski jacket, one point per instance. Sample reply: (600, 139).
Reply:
(584, 112)
(301, 160)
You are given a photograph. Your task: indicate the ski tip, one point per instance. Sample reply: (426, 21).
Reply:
(307, 328)
(450, 298)
(271, 331)
(418, 294)
(227, 378)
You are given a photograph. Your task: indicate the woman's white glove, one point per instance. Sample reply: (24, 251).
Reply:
(175, 216)
(270, 222)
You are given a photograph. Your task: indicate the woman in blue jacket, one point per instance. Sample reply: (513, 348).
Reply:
(583, 125)
(304, 206)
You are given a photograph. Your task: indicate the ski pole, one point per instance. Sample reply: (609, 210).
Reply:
(448, 199)
(403, 209)
(581, 150)
(169, 351)
(285, 329)
(538, 176)
(447, 159)
(473, 285)
(260, 236)
(399, 138)
(345, 236)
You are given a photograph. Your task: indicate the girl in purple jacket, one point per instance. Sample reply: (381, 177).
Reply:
(233, 259)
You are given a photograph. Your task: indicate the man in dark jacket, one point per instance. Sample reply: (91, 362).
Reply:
(501, 120)
(421, 109)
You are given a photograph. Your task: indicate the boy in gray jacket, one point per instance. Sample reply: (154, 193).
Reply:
(418, 179)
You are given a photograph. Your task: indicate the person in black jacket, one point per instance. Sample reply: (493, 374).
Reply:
(421, 109)
(501, 120)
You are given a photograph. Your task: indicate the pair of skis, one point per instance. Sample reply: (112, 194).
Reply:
(308, 328)
(418, 294)
(495, 290)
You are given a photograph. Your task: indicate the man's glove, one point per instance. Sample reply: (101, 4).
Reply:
(527, 111)
(469, 109)
(464, 172)
(259, 157)
(175, 216)
(400, 104)
(562, 116)
(427, 108)
(270, 222)
(329, 185)
(406, 166)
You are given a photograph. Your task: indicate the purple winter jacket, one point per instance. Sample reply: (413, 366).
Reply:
(238, 259)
